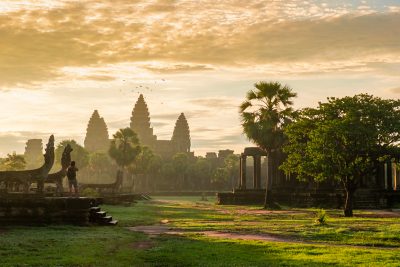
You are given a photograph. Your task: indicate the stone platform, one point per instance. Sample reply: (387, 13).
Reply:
(364, 198)
(30, 209)
(120, 198)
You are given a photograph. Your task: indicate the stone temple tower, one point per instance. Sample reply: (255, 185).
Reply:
(181, 135)
(140, 123)
(96, 139)
(33, 153)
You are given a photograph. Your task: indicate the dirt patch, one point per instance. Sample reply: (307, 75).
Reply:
(143, 245)
(380, 214)
(261, 212)
(154, 230)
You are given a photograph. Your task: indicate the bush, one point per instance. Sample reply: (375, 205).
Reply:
(321, 217)
(89, 192)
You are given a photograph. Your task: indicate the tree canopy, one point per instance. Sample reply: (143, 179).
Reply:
(124, 147)
(343, 139)
(78, 154)
(267, 108)
(13, 162)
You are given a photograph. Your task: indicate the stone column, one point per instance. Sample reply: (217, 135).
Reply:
(389, 176)
(242, 172)
(257, 172)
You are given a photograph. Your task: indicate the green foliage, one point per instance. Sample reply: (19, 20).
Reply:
(343, 139)
(202, 173)
(231, 164)
(124, 147)
(13, 162)
(264, 113)
(78, 154)
(321, 217)
(89, 192)
(220, 177)
(144, 160)
(99, 162)
(180, 162)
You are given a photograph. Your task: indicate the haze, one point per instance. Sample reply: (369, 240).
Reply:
(60, 60)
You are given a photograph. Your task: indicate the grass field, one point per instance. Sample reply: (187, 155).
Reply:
(369, 239)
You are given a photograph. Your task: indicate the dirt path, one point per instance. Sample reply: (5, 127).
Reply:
(155, 230)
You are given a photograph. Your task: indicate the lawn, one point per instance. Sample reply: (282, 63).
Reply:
(366, 239)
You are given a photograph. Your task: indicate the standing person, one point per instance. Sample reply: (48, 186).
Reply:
(71, 174)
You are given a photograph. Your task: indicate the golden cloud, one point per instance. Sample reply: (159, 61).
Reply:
(190, 36)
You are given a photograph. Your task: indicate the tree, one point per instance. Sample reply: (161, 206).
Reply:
(343, 139)
(101, 167)
(78, 154)
(124, 148)
(168, 174)
(202, 171)
(232, 167)
(264, 113)
(143, 164)
(180, 162)
(155, 167)
(13, 162)
(219, 178)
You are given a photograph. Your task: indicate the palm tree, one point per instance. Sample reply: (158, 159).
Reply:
(143, 164)
(265, 111)
(124, 148)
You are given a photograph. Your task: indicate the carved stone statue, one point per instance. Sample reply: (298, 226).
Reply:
(57, 177)
(27, 177)
(112, 187)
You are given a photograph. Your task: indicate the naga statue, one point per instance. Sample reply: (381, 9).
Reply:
(57, 177)
(114, 187)
(27, 177)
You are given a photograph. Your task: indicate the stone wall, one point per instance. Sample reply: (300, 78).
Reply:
(364, 199)
(33, 210)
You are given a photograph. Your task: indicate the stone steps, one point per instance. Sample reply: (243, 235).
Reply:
(98, 216)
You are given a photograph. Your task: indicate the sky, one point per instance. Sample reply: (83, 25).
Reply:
(62, 59)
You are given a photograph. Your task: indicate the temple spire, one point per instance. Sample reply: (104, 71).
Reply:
(96, 139)
(140, 123)
(33, 153)
(181, 135)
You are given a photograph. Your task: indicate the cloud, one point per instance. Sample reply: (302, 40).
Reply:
(100, 78)
(165, 116)
(198, 35)
(177, 68)
(215, 103)
(395, 90)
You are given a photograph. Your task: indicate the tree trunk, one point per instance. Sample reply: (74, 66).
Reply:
(348, 207)
(268, 196)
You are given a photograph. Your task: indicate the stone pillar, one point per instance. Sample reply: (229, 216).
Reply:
(385, 176)
(257, 172)
(389, 176)
(242, 172)
(397, 175)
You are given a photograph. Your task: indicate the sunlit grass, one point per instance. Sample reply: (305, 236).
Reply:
(330, 244)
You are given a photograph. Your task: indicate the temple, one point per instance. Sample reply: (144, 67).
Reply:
(96, 139)
(140, 124)
(379, 189)
(33, 154)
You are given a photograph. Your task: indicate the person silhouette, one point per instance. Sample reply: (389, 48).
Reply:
(72, 182)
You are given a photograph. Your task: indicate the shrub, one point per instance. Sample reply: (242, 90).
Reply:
(321, 217)
(89, 192)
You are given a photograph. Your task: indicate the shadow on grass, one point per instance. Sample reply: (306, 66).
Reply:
(201, 251)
